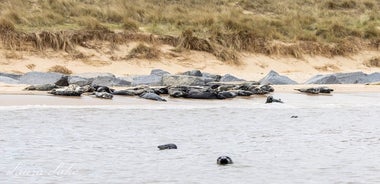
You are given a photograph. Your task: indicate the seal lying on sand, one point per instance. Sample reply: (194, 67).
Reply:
(152, 96)
(316, 90)
(270, 99)
(167, 146)
(43, 87)
(72, 90)
(224, 160)
(103, 95)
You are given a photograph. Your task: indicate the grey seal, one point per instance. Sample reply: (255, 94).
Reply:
(167, 146)
(224, 160)
(152, 96)
(270, 99)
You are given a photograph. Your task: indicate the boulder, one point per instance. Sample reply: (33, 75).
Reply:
(373, 77)
(80, 81)
(94, 75)
(274, 78)
(8, 80)
(323, 79)
(109, 81)
(182, 80)
(150, 80)
(13, 76)
(340, 78)
(40, 78)
(230, 78)
(159, 72)
(211, 77)
(196, 73)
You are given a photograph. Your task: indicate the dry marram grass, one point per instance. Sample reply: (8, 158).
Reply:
(60, 69)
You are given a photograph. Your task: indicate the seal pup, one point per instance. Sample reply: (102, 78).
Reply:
(270, 99)
(224, 160)
(103, 95)
(167, 146)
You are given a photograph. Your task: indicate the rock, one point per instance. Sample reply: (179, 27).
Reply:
(167, 146)
(215, 78)
(340, 78)
(42, 87)
(182, 80)
(274, 78)
(196, 73)
(373, 77)
(94, 75)
(103, 95)
(110, 81)
(13, 76)
(151, 80)
(152, 96)
(159, 72)
(40, 78)
(80, 81)
(230, 78)
(71, 90)
(323, 79)
(64, 81)
(8, 80)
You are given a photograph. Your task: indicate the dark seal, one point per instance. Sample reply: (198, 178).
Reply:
(167, 146)
(224, 160)
(270, 99)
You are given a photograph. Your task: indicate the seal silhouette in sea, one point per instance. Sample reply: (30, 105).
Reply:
(167, 146)
(224, 160)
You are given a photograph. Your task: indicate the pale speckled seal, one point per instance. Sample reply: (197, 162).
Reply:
(270, 99)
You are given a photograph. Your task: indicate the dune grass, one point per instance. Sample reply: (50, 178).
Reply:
(221, 27)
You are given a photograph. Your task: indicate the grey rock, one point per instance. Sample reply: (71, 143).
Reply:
(80, 81)
(196, 73)
(109, 81)
(159, 72)
(274, 78)
(323, 79)
(8, 80)
(151, 80)
(40, 78)
(230, 78)
(211, 77)
(373, 77)
(340, 78)
(13, 76)
(95, 75)
(182, 80)
(64, 81)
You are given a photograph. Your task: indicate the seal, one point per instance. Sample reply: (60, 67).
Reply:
(43, 87)
(103, 95)
(270, 99)
(224, 160)
(152, 96)
(315, 90)
(167, 146)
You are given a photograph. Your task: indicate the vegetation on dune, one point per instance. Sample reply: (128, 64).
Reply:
(221, 27)
(60, 69)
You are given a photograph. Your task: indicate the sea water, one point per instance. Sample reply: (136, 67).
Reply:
(333, 139)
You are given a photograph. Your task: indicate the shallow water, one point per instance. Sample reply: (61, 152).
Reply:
(335, 139)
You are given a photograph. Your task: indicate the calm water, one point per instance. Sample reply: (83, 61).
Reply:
(335, 139)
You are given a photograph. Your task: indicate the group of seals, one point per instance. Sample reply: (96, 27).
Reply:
(222, 160)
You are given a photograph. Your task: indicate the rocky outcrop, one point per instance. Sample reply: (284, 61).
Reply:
(80, 81)
(182, 80)
(341, 78)
(151, 80)
(13, 76)
(8, 80)
(230, 78)
(41, 78)
(196, 73)
(373, 77)
(159, 72)
(110, 81)
(274, 78)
